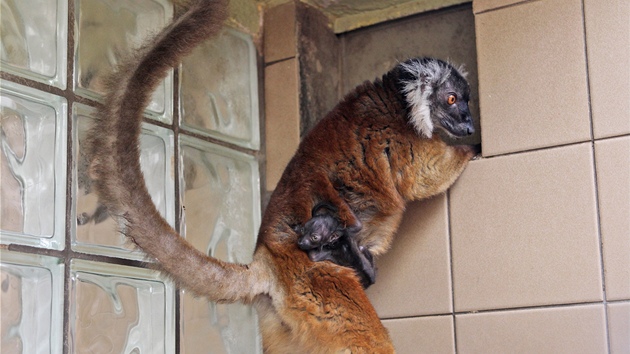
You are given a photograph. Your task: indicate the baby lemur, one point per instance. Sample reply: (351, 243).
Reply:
(324, 238)
(374, 152)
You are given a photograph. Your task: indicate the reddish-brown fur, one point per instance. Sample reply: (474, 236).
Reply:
(364, 156)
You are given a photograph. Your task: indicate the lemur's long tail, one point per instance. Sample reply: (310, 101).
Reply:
(113, 145)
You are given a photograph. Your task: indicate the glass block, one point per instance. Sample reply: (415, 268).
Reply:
(120, 309)
(106, 31)
(33, 134)
(32, 303)
(220, 217)
(94, 230)
(34, 36)
(219, 90)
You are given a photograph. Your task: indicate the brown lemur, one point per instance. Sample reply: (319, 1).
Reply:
(374, 152)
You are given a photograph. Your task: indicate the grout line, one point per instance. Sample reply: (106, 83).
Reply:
(25, 81)
(279, 61)
(537, 149)
(70, 200)
(506, 309)
(591, 140)
(71, 254)
(175, 127)
(595, 180)
(450, 256)
(515, 153)
(70, 195)
(216, 141)
(66, 306)
(619, 301)
(616, 136)
(501, 7)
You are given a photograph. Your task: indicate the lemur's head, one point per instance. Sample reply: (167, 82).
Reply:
(437, 95)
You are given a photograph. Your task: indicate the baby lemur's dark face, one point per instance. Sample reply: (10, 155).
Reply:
(318, 231)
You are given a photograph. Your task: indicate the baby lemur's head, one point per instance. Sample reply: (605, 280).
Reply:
(437, 95)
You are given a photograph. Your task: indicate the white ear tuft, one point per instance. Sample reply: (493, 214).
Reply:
(461, 69)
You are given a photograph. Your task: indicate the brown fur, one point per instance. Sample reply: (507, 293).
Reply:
(363, 157)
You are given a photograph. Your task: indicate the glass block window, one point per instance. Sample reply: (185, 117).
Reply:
(95, 229)
(224, 228)
(219, 90)
(32, 303)
(108, 28)
(33, 171)
(199, 153)
(228, 178)
(119, 309)
(33, 39)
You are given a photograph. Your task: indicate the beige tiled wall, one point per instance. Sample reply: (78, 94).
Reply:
(533, 87)
(414, 277)
(301, 79)
(608, 47)
(524, 231)
(530, 251)
(532, 244)
(613, 176)
(619, 327)
(282, 111)
(572, 329)
(432, 334)
(282, 117)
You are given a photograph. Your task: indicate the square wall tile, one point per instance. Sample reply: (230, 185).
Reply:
(422, 334)
(619, 327)
(612, 157)
(280, 37)
(414, 277)
(608, 46)
(532, 76)
(572, 329)
(524, 231)
(282, 117)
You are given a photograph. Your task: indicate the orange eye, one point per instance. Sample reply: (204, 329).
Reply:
(451, 99)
